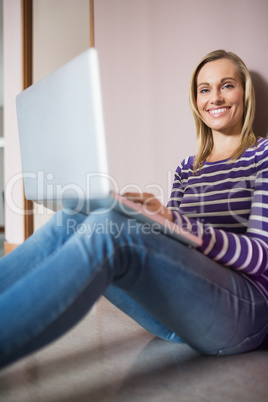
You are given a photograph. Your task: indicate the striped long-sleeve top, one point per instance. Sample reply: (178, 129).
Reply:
(227, 204)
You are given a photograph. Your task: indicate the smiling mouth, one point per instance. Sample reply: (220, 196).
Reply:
(216, 112)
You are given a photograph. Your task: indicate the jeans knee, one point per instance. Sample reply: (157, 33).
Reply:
(67, 220)
(102, 222)
(103, 217)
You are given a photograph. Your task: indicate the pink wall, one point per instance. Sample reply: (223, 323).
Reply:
(148, 49)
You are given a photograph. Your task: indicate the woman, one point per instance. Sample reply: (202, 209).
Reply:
(214, 298)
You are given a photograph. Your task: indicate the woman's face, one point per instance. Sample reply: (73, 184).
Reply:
(220, 97)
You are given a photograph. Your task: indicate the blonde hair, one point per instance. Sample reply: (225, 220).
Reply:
(203, 132)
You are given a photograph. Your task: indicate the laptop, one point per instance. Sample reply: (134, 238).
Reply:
(64, 150)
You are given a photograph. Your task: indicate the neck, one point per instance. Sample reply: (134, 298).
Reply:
(224, 146)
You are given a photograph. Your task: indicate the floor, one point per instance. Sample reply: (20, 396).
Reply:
(109, 358)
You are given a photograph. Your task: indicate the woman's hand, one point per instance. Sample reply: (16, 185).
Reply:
(150, 203)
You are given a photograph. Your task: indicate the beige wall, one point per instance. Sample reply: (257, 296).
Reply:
(148, 50)
(61, 32)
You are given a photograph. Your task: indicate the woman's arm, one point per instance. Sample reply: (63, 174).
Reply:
(247, 253)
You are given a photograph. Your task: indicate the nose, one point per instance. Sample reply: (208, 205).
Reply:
(216, 97)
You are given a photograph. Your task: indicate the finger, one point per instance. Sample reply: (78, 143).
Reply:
(136, 197)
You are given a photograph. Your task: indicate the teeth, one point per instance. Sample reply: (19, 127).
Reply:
(217, 111)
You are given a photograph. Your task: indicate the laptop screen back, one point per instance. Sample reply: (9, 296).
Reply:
(61, 130)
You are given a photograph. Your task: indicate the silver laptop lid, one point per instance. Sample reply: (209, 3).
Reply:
(61, 130)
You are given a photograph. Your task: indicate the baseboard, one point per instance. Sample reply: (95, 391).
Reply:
(8, 247)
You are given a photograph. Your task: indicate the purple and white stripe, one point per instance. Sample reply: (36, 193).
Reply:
(227, 203)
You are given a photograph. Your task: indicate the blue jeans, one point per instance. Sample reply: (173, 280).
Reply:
(50, 282)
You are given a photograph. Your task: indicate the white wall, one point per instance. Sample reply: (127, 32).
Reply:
(1, 53)
(14, 230)
(148, 50)
(1, 120)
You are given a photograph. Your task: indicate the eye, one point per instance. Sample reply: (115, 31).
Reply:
(203, 90)
(228, 86)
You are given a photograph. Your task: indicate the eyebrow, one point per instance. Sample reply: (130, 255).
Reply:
(222, 80)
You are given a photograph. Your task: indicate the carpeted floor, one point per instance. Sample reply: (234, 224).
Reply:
(109, 358)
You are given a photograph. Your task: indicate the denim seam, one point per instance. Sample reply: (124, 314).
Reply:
(222, 351)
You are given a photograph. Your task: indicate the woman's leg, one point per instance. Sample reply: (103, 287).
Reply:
(212, 308)
(129, 306)
(44, 242)
(182, 294)
(43, 278)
